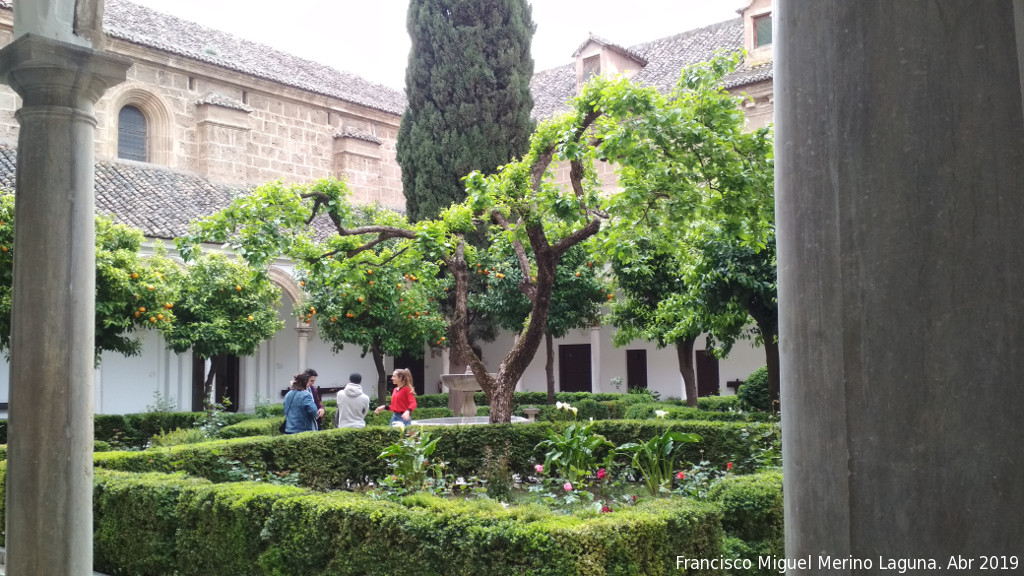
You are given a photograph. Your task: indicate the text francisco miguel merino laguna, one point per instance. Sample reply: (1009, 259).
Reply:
(900, 565)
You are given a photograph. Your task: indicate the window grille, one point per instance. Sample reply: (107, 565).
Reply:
(131, 134)
(762, 30)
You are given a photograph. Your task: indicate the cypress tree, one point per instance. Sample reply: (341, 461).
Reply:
(468, 87)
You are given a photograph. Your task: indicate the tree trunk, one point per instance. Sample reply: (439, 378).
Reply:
(684, 352)
(771, 353)
(208, 400)
(501, 401)
(382, 377)
(768, 324)
(549, 367)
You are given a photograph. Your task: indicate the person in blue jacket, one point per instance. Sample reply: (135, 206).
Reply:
(299, 408)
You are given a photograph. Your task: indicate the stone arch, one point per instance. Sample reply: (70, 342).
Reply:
(159, 122)
(286, 281)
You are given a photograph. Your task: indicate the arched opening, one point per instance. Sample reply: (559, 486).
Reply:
(132, 134)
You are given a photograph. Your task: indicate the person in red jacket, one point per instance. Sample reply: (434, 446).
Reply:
(403, 398)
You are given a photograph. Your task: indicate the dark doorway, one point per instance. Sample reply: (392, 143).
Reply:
(225, 381)
(414, 365)
(574, 368)
(707, 374)
(636, 369)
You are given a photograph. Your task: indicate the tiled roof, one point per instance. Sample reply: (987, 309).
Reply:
(155, 200)
(665, 60)
(153, 29)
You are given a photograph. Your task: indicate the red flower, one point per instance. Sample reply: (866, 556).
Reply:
(634, 497)
(606, 509)
(601, 473)
(680, 476)
(728, 465)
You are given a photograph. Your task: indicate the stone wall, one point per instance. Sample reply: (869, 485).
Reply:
(235, 128)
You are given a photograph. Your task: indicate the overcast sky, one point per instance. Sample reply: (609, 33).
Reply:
(368, 37)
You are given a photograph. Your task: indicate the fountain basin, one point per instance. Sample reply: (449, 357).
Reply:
(461, 388)
(460, 421)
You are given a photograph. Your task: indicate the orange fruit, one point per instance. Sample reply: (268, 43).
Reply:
(151, 287)
(135, 275)
(250, 318)
(238, 288)
(152, 319)
(142, 308)
(159, 316)
(138, 314)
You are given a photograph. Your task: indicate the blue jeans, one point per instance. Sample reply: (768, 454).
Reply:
(397, 417)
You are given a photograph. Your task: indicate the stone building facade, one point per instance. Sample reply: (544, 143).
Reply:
(204, 115)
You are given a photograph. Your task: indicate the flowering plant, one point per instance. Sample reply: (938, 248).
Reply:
(573, 453)
(654, 459)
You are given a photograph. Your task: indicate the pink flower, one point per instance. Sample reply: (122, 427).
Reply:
(539, 468)
(601, 473)
(634, 497)
(606, 509)
(728, 465)
(680, 476)
(567, 486)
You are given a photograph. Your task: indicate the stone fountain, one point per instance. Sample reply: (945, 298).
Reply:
(461, 387)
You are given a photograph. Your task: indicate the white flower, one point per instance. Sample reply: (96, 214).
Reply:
(574, 410)
(660, 413)
(558, 405)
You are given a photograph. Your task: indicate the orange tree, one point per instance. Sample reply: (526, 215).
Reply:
(132, 292)
(664, 144)
(225, 308)
(376, 294)
(578, 294)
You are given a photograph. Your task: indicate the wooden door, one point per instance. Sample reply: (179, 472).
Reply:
(636, 369)
(574, 373)
(707, 374)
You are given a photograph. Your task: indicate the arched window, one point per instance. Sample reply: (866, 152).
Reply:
(131, 134)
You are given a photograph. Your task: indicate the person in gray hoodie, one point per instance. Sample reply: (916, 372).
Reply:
(352, 404)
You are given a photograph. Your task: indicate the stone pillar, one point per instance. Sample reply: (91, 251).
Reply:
(357, 156)
(595, 359)
(222, 135)
(49, 473)
(303, 331)
(900, 149)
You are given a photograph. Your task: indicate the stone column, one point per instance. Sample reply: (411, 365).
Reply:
(900, 197)
(49, 473)
(303, 331)
(595, 359)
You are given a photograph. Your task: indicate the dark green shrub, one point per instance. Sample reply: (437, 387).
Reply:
(753, 394)
(718, 403)
(642, 411)
(254, 427)
(752, 515)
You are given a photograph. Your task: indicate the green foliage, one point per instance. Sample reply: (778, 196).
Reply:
(718, 403)
(226, 308)
(753, 394)
(131, 291)
(179, 436)
(574, 451)
(469, 96)
(410, 460)
(161, 404)
(654, 458)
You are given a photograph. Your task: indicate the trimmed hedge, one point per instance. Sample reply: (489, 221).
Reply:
(752, 517)
(674, 412)
(343, 458)
(156, 524)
